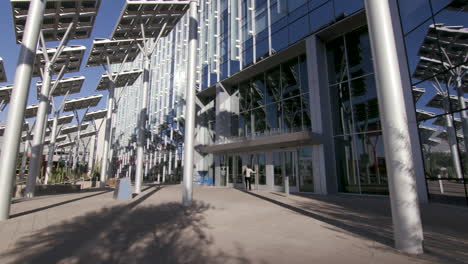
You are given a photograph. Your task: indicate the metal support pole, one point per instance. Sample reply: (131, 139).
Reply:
(142, 125)
(50, 157)
(37, 142)
(190, 106)
(406, 217)
(107, 133)
(19, 98)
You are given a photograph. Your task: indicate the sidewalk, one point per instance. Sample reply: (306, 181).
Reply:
(222, 226)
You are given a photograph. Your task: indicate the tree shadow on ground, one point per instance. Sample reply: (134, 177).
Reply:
(445, 238)
(164, 233)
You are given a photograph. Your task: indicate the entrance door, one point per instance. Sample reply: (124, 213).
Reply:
(306, 176)
(290, 170)
(257, 163)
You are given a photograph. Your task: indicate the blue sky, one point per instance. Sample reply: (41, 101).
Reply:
(9, 51)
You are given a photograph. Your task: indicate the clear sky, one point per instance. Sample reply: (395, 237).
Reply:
(9, 51)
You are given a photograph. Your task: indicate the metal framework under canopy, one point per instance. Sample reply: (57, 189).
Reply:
(3, 77)
(71, 57)
(71, 85)
(82, 103)
(153, 14)
(73, 129)
(66, 144)
(124, 78)
(61, 120)
(5, 93)
(115, 50)
(57, 17)
(88, 134)
(95, 115)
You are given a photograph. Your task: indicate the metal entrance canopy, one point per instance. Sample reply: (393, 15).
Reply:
(71, 85)
(71, 57)
(5, 93)
(115, 50)
(95, 115)
(3, 77)
(57, 17)
(61, 120)
(81, 103)
(153, 14)
(122, 79)
(73, 129)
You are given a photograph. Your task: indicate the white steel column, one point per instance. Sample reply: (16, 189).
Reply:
(190, 106)
(19, 98)
(107, 133)
(39, 130)
(142, 125)
(401, 173)
(50, 155)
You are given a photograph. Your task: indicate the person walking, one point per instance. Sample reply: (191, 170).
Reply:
(248, 184)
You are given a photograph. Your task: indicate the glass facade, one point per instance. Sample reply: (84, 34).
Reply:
(436, 40)
(360, 156)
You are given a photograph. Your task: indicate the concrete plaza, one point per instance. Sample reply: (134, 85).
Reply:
(223, 226)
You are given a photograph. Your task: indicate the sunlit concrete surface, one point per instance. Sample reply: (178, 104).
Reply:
(222, 226)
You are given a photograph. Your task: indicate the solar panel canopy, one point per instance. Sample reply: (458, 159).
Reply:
(438, 101)
(441, 121)
(88, 134)
(82, 103)
(73, 129)
(31, 111)
(3, 77)
(5, 93)
(2, 128)
(61, 120)
(124, 78)
(71, 85)
(57, 17)
(71, 57)
(115, 50)
(153, 14)
(95, 115)
(66, 144)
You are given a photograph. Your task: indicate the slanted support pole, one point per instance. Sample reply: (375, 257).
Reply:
(407, 228)
(14, 124)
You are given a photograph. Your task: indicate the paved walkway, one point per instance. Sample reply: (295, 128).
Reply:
(223, 226)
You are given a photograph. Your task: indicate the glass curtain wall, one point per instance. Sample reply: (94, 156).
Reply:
(436, 40)
(359, 146)
(273, 102)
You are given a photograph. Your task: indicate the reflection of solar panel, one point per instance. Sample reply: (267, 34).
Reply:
(427, 69)
(417, 93)
(441, 121)
(71, 57)
(423, 115)
(61, 120)
(153, 14)
(116, 50)
(124, 78)
(95, 115)
(438, 101)
(5, 93)
(426, 132)
(450, 38)
(443, 135)
(82, 103)
(57, 17)
(458, 5)
(3, 77)
(73, 129)
(71, 85)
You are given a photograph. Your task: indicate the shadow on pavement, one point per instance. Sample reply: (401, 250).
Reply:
(164, 233)
(445, 240)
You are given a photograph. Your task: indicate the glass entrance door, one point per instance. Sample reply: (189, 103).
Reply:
(306, 176)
